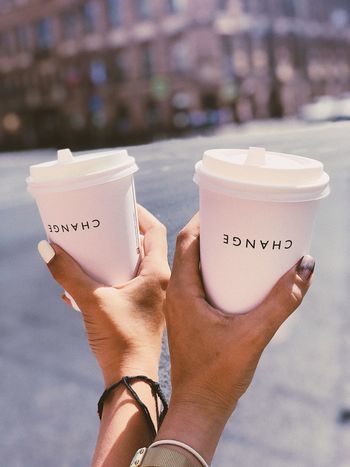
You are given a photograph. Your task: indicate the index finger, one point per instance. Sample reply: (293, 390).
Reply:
(187, 257)
(154, 242)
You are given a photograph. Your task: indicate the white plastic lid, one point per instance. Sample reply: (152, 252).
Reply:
(258, 174)
(68, 171)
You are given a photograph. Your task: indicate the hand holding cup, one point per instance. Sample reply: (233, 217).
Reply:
(124, 324)
(214, 354)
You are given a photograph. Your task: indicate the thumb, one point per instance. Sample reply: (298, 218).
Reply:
(65, 270)
(286, 295)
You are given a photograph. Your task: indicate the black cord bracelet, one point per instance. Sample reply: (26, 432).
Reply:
(156, 391)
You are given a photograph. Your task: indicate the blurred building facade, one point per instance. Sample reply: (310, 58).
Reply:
(99, 72)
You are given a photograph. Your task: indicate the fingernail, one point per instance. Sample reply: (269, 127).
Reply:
(306, 267)
(73, 303)
(65, 299)
(46, 251)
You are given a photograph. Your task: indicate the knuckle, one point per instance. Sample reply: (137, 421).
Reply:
(158, 225)
(163, 279)
(182, 237)
(296, 296)
(289, 298)
(159, 280)
(162, 228)
(97, 295)
(156, 284)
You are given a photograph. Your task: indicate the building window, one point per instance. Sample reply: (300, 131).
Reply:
(72, 76)
(227, 49)
(119, 66)
(241, 62)
(245, 5)
(180, 56)
(142, 9)
(123, 119)
(258, 7)
(97, 111)
(114, 12)
(222, 4)
(288, 8)
(175, 6)
(98, 72)
(22, 38)
(69, 24)
(89, 15)
(152, 113)
(5, 43)
(44, 34)
(147, 60)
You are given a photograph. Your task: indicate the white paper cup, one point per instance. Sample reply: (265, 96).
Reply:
(87, 205)
(257, 212)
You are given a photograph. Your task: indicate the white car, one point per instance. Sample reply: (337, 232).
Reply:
(327, 108)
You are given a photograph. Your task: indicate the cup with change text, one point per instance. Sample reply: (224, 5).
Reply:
(87, 205)
(257, 211)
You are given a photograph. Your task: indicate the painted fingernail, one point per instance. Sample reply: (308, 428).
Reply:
(306, 267)
(46, 251)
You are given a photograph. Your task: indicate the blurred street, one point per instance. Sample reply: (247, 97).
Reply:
(50, 383)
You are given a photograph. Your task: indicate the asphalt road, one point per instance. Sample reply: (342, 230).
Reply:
(49, 381)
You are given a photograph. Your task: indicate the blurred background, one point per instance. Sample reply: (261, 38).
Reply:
(105, 72)
(233, 73)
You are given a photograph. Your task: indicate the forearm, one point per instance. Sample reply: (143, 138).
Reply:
(123, 427)
(195, 426)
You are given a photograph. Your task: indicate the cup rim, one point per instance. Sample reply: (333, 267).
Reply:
(261, 192)
(83, 181)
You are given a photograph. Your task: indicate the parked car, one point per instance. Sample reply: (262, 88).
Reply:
(327, 108)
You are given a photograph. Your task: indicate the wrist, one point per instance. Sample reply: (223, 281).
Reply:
(124, 427)
(140, 393)
(208, 403)
(113, 373)
(194, 424)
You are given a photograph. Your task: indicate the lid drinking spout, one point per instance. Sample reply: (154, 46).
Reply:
(64, 156)
(256, 156)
